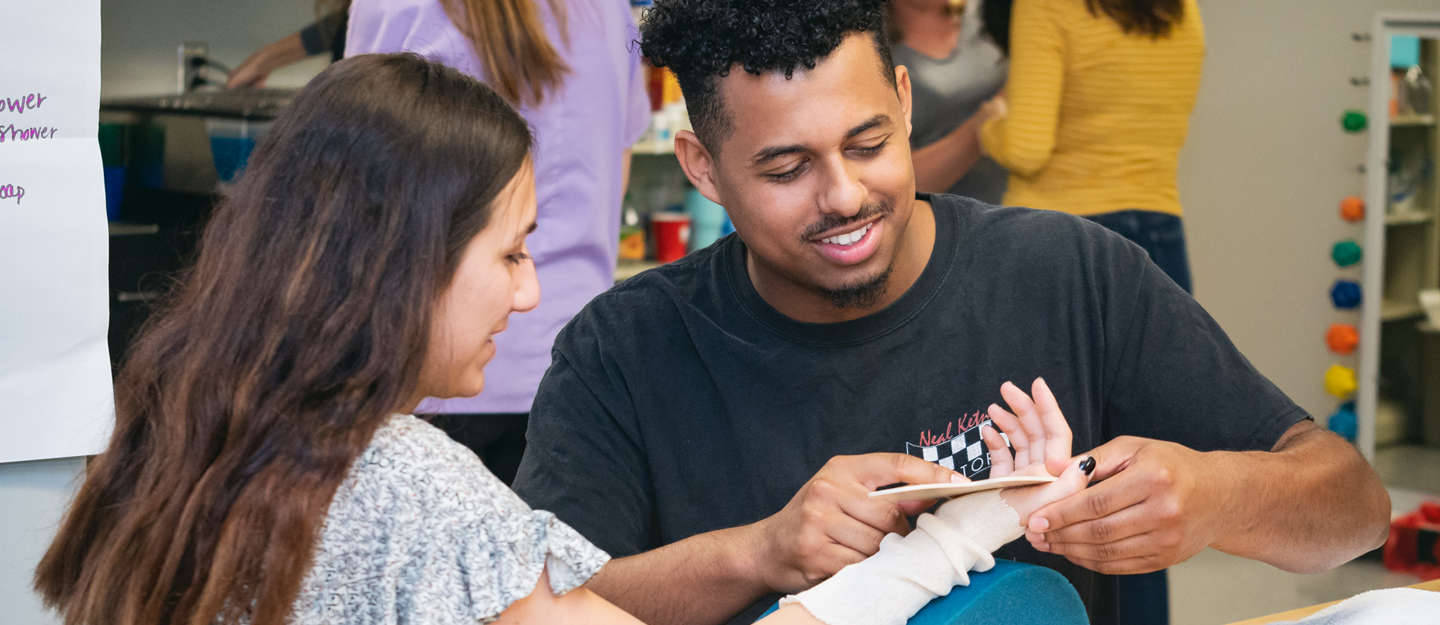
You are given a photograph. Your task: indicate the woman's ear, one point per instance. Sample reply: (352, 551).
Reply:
(698, 164)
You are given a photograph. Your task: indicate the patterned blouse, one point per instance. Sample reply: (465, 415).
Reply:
(420, 532)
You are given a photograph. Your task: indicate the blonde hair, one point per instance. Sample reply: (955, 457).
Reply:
(508, 37)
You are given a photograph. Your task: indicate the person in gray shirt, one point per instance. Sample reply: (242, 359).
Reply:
(955, 73)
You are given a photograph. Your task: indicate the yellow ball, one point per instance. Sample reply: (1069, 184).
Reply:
(1340, 381)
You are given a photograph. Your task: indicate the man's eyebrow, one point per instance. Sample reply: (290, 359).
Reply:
(877, 120)
(771, 153)
(531, 229)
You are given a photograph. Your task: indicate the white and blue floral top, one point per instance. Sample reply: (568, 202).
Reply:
(421, 532)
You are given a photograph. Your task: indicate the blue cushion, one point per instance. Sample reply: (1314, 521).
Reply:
(1015, 593)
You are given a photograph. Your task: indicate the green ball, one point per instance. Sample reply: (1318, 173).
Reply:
(1346, 253)
(1354, 120)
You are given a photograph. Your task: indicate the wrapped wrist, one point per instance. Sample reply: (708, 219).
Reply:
(907, 573)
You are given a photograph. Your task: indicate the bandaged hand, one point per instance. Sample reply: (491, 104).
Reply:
(908, 572)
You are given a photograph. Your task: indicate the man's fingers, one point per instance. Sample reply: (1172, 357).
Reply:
(882, 469)
(859, 535)
(914, 507)
(1140, 546)
(1128, 566)
(880, 515)
(1135, 520)
(1057, 430)
(836, 556)
(1100, 500)
(1001, 462)
(1112, 457)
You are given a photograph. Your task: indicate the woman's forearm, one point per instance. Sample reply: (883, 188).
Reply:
(941, 164)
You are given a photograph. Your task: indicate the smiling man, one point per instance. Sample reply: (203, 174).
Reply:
(716, 424)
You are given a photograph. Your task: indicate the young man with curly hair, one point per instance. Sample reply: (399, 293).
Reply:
(716, 424)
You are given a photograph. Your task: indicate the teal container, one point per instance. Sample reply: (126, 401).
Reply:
(707, 219)
(1404, 51)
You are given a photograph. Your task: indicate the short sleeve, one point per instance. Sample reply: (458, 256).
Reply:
(1173, 374)
(421, 532)
(583, 460)
(498, 561)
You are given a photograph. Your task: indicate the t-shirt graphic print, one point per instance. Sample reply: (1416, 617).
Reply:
(960, 447)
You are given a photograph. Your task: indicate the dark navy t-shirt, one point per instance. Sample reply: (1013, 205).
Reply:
(680, 402)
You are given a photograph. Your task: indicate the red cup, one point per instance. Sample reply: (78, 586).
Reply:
(672, 235)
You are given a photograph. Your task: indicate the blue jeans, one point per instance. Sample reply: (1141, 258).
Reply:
(1162, 235)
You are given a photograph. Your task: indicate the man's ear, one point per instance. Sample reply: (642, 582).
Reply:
(698, 164)
(902, 89)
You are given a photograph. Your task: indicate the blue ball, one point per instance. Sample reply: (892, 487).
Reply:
(1344, 422)
(1345, 294)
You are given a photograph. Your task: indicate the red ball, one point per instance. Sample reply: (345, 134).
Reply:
(1342, 338)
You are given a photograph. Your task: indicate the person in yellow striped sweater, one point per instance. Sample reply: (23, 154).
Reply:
(1099, 99)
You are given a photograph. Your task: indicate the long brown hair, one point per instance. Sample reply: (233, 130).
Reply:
(302, 326)
(1155, 18)
(509, 38)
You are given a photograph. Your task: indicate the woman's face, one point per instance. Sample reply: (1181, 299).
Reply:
(495, 277)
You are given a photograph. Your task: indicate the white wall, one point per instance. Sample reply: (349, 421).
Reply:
(138, 51)
(33, 496)
(1264, 171)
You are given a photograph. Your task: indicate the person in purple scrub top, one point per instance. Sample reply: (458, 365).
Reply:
(570, 69)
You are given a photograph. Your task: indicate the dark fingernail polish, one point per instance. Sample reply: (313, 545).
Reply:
(1088, 465)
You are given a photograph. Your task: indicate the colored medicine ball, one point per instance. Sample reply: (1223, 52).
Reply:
(1340, 381)
(1342, 338)
(1345, 294)
(1343, 422)
(1346, 253)
(1352, 209)
(1354, 121)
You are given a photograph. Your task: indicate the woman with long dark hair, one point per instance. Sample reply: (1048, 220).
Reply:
(304, 327)
(1099, 99)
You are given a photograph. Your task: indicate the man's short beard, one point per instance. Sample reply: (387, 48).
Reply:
(861, 296)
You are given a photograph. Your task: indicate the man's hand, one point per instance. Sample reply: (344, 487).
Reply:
(832, 522)
(1158, 505)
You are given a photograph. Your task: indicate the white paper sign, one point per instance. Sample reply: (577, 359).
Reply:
(55, 388)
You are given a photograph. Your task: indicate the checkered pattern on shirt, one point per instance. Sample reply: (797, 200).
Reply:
(965, 453)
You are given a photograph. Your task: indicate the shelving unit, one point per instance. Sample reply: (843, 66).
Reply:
(1402, 243)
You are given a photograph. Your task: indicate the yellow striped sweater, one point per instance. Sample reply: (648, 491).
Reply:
(1096, 117)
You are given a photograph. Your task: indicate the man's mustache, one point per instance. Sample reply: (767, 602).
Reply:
(867, 212)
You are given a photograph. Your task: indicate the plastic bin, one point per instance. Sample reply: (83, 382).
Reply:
(231, 142)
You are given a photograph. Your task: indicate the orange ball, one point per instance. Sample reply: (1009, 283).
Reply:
(1352, 209)
(1342, 338)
